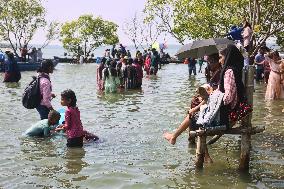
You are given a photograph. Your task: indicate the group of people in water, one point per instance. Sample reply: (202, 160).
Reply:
(48, 124)
(126, 72)
(270, 69)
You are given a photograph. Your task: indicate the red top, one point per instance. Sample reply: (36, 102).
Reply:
(73, 124)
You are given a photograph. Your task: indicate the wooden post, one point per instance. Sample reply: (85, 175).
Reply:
(246, 123)
(200, 151)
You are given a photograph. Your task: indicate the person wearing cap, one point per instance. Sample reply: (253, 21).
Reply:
(12, 72)
(45, 86)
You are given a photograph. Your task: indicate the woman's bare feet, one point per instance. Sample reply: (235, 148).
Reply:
(170, 137)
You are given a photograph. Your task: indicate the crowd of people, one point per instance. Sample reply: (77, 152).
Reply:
(118, 69)
(126, 72)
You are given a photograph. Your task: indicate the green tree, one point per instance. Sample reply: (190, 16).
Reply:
(280, 40)
(197, 19)
(19, 20)
(84, 35)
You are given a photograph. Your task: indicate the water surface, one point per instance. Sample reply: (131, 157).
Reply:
(132, 153)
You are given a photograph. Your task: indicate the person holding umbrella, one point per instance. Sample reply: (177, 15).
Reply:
(230, 84)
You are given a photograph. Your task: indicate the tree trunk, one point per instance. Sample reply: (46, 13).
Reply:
(246, 137)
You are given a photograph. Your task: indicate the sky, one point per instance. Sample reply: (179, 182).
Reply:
(117, 11)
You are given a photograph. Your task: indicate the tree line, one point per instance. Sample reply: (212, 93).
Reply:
(184, 20)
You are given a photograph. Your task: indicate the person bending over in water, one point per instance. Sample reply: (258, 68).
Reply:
(42, 128)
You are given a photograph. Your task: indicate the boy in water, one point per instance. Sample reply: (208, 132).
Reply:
(42, 128)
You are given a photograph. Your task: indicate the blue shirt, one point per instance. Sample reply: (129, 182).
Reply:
(236, 33)
(258, 59)
(191, 62)
(39, 129)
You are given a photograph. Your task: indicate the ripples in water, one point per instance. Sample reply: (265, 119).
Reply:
(131, 152)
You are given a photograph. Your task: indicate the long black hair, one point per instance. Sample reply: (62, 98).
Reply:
(233, 60)
(111, 69)
(101, 67)
(70, 95)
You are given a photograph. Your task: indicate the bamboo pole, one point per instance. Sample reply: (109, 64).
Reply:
(233, 131)
(246, 123)
(200, 151)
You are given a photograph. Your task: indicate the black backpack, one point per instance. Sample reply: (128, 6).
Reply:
(31, 97)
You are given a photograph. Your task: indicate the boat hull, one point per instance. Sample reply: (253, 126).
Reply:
(26, 66)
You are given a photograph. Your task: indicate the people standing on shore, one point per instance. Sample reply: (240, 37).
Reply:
(12, 72)
(45, 86)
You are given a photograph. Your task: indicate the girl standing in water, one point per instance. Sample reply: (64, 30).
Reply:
(73, 125)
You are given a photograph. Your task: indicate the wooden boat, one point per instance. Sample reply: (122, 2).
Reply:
(28, 66)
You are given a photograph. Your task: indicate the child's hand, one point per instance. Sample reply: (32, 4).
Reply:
(59, 128)
(53, 95)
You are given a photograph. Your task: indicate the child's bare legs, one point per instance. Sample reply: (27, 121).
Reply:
(171, 137)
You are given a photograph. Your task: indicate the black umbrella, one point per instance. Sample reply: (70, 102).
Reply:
(200, 48)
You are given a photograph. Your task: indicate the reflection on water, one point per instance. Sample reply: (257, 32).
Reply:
(132, 152)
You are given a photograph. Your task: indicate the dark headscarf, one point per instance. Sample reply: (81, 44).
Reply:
(233, 60)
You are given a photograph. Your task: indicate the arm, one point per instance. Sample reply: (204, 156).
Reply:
(229, 87)
(67, 125)
(196, 108)
(46, 92)
(46, 131)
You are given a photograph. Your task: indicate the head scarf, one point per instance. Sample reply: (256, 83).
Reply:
(233, 60)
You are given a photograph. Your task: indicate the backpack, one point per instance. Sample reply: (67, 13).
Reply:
(31, 97)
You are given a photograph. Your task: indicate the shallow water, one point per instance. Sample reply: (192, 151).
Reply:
(131, 152)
